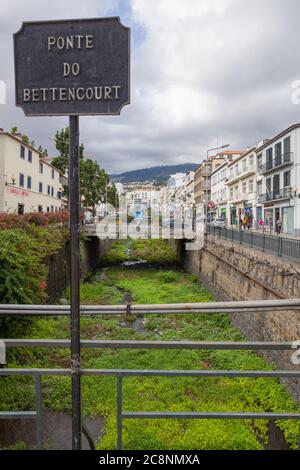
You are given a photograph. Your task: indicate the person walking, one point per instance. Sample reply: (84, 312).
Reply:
(278, 225)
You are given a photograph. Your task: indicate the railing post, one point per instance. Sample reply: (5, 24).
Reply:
(119, 412)
(241, 237)
(264, 242)
(39, 411)
(251, 238)
(279, 246)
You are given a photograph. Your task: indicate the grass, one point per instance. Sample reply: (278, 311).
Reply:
(153, 251)
(156, 393)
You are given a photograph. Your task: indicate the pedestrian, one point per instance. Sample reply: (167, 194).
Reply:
(260, 223)
(278, 226)
(244, 222)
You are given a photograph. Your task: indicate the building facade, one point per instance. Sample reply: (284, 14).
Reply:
(242, 189)
(27, 182)
(279, 167)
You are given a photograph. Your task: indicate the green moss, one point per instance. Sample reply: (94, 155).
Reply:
(156, 393)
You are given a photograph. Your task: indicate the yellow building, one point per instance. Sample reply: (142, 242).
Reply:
(28, 183)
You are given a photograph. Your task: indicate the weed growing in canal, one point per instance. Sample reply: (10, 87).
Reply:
(157, 393)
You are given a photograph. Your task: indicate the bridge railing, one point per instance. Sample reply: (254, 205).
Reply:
(178, 309)
(276, 245)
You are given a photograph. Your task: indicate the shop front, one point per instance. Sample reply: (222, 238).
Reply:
(288, 220)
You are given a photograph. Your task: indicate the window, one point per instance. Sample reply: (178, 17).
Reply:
(278, 153)
(259, 188)
(52, 208)
(52, 191)
(21, 180)
(287, 145)
(48, 190)
(30, 156)
(269, 158)
(251, 161)
(244, 165)
(52, 174)
(48, 209)
(28, 182)
(251, 186)
(287, 179)
(40, 208)
(259, 161)
(22, 152)
(231, 194)
(41, 168)
(40, 187)
(59, 194)
(244, 187)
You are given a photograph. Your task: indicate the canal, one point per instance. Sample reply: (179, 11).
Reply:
(147, 272)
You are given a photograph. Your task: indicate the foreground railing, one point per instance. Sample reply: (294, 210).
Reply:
(197, 308)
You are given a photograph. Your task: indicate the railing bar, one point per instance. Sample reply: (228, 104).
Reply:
(155, 373)
(17, 414)
(208, 415)
(211, 305)
(39, 412)
(123, 344)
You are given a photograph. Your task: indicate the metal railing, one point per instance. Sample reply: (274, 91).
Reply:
(278, 161)
(276, 245)
(259, 306)
(284, 193)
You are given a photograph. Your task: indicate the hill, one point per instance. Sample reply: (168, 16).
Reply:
(158, 174)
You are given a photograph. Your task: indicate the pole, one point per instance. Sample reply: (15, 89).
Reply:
(75, 280)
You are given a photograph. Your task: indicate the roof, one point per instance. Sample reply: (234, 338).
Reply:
(278, 136)
(251, 150)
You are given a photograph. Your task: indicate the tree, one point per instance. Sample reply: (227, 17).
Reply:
(93, 182)
(62, 139)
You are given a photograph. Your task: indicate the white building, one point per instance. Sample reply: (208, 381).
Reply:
(243, 187)
(219, 191)
(145, 196)
(279, 161)
(27, 182)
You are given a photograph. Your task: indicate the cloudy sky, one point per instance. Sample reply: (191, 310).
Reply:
(200, 69)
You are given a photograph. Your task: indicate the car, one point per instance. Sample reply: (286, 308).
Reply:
(221, 223)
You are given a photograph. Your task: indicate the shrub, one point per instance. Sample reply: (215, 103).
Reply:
(168, 276)
(38, 219)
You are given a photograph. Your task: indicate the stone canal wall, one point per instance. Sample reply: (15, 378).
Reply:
(235, 272)
(91, 250)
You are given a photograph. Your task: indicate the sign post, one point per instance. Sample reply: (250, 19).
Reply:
(72, 68)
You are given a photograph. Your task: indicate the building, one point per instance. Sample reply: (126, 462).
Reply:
(279, 166)
(184, 195)
(219, 191)
(202, 178)
(28, 183)
(141, 195)
(242, 183)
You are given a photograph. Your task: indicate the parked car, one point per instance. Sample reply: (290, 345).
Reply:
(221, 223)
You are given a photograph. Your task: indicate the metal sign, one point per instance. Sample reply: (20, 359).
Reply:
(72, 67)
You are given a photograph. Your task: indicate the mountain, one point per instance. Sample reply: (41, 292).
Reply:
(158, 174)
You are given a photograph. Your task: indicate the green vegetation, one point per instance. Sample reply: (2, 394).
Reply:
(152, 251)
(157, 393)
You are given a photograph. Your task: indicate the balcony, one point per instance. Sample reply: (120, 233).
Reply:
(284, 193)
(237, 198)
(278, 162)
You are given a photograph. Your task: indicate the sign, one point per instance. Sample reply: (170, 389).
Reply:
(72, 67)
(211, 205)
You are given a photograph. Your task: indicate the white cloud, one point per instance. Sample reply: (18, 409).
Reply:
(204, 68)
